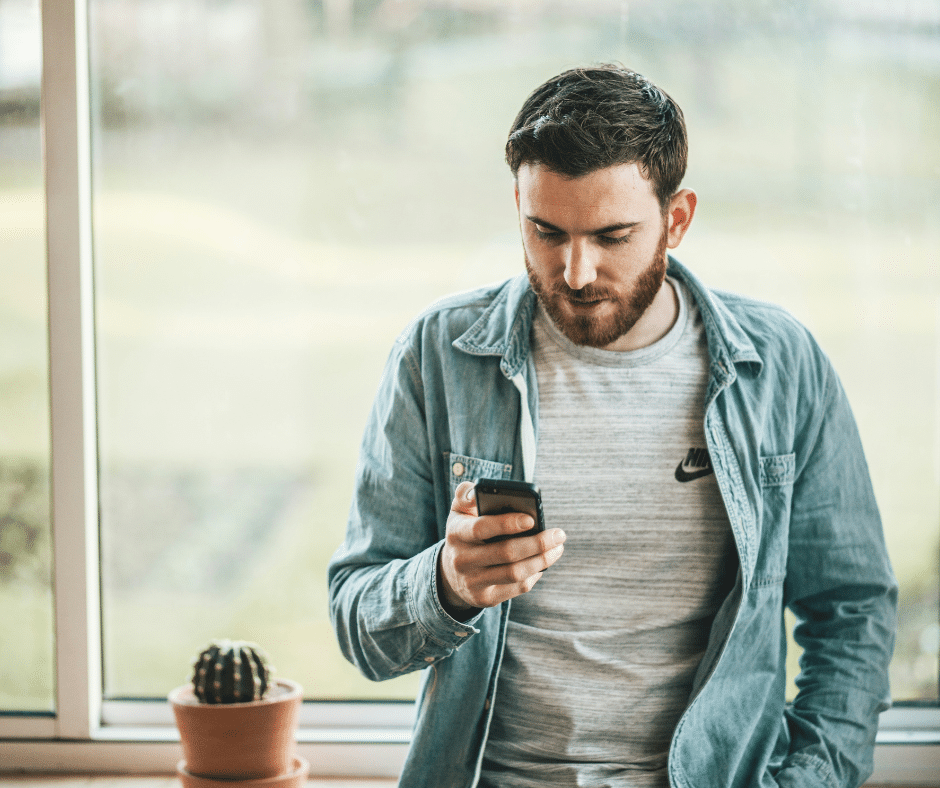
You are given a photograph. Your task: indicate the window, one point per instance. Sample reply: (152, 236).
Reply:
(250, 200)
(26, 626)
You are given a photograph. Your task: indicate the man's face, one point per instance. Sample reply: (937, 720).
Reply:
(595, 249)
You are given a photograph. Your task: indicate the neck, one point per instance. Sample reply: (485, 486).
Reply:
(654, 324)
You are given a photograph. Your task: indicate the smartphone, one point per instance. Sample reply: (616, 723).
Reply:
(498, 496)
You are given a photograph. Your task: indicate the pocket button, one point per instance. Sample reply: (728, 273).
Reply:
(458, 469)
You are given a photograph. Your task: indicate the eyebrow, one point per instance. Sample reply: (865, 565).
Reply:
(610, 228)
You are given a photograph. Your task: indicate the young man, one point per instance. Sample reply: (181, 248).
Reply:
(700, 471)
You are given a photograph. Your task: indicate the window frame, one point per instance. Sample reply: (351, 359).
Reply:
(85, 733)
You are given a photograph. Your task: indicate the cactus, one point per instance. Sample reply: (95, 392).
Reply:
(231, 671)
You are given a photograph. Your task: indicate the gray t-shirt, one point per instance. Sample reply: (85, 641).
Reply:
(601, 654)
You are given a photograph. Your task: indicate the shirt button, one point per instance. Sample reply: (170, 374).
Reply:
(429, 659)
(460, 634)
(458, 469)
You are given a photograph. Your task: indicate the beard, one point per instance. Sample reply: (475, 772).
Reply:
(628, 308)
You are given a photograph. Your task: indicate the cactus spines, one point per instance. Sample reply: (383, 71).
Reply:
(231, 671)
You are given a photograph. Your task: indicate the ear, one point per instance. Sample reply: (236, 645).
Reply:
(679, 216)
(515, 188)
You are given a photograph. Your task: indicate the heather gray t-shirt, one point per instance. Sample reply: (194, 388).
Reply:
(600, 655)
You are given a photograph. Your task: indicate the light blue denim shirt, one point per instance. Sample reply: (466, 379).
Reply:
(458, 401)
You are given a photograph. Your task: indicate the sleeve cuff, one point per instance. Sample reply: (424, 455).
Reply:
(430, 615)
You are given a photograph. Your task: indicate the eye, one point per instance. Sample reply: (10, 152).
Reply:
(545, 232)
(610, 240)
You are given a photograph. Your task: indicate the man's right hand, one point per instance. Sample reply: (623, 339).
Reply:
(473, 573)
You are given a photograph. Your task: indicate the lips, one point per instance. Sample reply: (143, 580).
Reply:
(586, 295)
(583, 302)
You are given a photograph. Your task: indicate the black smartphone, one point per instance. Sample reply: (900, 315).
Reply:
(498, 496)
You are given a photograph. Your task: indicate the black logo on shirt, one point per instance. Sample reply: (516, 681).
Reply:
(696, 464)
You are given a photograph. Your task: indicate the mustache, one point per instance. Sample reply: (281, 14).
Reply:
(585, 295)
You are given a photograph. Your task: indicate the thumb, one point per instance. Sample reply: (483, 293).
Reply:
(465, 501)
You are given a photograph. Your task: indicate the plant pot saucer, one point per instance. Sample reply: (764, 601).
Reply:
(294, 778)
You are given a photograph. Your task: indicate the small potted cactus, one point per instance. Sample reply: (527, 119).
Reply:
(236, 722)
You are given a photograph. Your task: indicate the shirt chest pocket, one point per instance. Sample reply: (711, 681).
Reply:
(776, 481)
(463, 468)
(777, 471)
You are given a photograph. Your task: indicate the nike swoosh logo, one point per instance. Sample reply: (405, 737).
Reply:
(682, 475)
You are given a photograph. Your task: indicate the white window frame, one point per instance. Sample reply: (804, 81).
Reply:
(86, 734)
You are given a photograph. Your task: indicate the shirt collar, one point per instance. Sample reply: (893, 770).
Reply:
(505, 326)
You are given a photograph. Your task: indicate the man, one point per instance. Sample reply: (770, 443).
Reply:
(700, 471)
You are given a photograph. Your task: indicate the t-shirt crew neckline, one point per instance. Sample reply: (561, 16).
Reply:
(621, 358)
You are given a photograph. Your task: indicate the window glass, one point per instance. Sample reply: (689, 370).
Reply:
(26, 617)
(280, 187)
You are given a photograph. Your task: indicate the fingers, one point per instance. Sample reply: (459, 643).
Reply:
(491, 585)
(520, 550)
(479, 575)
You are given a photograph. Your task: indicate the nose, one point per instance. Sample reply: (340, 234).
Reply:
(580, 265)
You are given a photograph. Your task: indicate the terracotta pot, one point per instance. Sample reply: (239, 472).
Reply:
(295, 778)
(237, 741)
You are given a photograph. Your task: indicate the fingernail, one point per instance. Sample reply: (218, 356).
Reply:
(559, 536)
(469, 493)
(555, 552)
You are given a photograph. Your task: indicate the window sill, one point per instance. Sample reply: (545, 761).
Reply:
(159, 753)
(361, 753)
(334, 740)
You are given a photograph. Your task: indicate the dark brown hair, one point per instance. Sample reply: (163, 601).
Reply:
(586, 119)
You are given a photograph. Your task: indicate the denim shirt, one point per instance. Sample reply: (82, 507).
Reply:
(458, 401)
